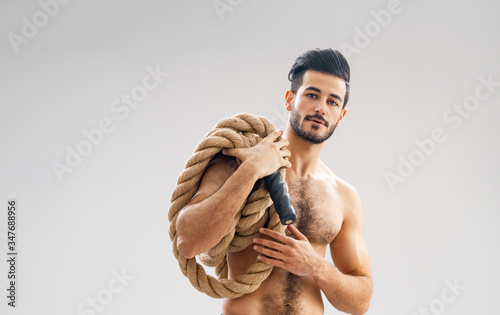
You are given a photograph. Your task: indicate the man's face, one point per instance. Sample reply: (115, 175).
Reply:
(316, 109)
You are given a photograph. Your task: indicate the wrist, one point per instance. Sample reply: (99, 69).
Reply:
(320, 268)
(250, 171)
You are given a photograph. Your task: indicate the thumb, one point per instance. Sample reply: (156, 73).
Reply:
(231, 152)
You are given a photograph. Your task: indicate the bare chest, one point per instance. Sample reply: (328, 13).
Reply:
(318, 210)
(319, 218)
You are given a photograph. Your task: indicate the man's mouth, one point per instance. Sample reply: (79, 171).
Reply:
(317, 121)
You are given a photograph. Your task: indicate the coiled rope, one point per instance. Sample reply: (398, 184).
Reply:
(241, 131)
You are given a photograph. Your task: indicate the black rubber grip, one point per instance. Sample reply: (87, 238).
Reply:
(281, 198)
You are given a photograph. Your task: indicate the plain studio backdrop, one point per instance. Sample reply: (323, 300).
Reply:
(102, 102)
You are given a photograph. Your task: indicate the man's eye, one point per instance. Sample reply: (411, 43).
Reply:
(333, 103)
(310, 95)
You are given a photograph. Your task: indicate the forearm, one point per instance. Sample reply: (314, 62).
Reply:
(347, 293)
(202, 225)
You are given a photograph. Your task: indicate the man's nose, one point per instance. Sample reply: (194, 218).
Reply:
(321, 107)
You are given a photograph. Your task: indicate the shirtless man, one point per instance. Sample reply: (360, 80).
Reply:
(328, 209)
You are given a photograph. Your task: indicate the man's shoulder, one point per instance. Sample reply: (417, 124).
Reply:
(345, 188)
(222, 164)
(348, 192)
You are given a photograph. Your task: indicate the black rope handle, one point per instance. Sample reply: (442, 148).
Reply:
(281, 198)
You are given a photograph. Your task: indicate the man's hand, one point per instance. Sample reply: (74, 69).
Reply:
(266, 157)
(294, 255)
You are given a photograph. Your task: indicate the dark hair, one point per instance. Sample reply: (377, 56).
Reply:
(327, 61)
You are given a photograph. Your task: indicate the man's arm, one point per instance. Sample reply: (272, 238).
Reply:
(205, 220)
(348, 284)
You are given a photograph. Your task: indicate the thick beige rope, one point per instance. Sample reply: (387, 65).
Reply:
(240, 131)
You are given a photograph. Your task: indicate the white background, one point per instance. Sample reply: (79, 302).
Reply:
(441, 224)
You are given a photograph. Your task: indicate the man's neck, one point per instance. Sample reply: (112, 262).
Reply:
(304, 154)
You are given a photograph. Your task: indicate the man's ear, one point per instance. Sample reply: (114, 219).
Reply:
(289, 97)
(342, 115)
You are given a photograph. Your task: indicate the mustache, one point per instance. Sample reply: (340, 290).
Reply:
(317, 117)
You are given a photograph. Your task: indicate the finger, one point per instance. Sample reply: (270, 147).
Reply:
(274, 135)
(231, 152)
(277, 236)
(286, 153)
(268, 252)
(271, 244)
(282, 143)
(286, 163)
(272, 262)
(296, 233)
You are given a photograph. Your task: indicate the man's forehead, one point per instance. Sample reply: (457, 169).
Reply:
(327, 83)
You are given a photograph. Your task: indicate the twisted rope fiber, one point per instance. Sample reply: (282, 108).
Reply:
(240, 131)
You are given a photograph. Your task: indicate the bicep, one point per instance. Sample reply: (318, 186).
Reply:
(216, 174)
(348, 249)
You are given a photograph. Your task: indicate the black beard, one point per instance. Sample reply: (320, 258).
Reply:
(308, 136)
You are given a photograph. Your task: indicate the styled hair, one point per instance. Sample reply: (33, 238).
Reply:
(327, 61)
